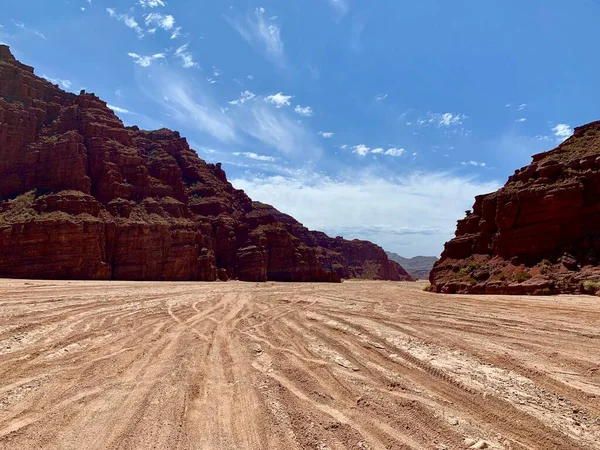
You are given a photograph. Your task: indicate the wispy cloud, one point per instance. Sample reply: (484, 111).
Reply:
(29, 30)
(340, 6)
(326, 134)
(275, 128)
(187, 60)
(190, 103)
(305, 111)
(117, 109)
(64, 83)
(255, 156)
(129, 21)
(443, 119)
(244, 97)
(522, 106)
(522, 119)
(262, 33)
(146, 61)
(279, 100)
(380, 97)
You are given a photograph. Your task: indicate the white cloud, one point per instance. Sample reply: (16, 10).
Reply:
(522, 106)
(250, 77)
(305, 111)
(412, 214)
(64, 83)
(151, 3)
(448, 119)
(562, 131)
(363, 150)
(187, 61)
(127, 20)
(279, 99)
(473, 163)
(522, 119)
(244, 97)
(380, 97)
(326, 134)
(257, 157)
(164, 21)
(176, 33)
(145, 61)
(263, 35)
(118, 109)
(395, 151)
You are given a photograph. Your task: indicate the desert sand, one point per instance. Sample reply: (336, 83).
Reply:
(357, 365)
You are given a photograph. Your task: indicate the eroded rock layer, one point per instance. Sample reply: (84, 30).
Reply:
(82, 196)
(539, 234)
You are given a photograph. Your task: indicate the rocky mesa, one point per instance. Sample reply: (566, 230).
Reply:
(82, 196)
(539, 234)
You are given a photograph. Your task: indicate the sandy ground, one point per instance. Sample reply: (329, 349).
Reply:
(358, 365)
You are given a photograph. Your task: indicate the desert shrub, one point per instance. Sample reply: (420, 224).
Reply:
(545, 266)
(590, 287)
(466, 270)
(427, 287)
(522, 276)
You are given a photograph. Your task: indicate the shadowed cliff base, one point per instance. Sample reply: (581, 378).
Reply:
(538, 234)
(84, 197)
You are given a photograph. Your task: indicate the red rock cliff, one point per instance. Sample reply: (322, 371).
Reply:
(538, 234)
(82, 196)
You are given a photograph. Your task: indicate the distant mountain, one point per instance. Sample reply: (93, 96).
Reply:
(419, 266)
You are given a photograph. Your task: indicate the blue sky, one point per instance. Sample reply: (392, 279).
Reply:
(370, 119)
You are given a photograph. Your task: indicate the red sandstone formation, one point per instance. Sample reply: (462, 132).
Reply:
(82, 196)
(539, 234)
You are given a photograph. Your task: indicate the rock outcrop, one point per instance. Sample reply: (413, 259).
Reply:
(538, 234)
(82, 196)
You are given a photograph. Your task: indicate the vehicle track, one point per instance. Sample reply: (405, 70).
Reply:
(358, 365)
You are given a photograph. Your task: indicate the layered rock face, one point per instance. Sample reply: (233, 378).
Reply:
(82, 196)
(539, 234)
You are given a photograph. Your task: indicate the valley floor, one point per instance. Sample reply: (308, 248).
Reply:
(358, 365)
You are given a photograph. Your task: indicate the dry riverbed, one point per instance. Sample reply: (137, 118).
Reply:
(358, 365)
